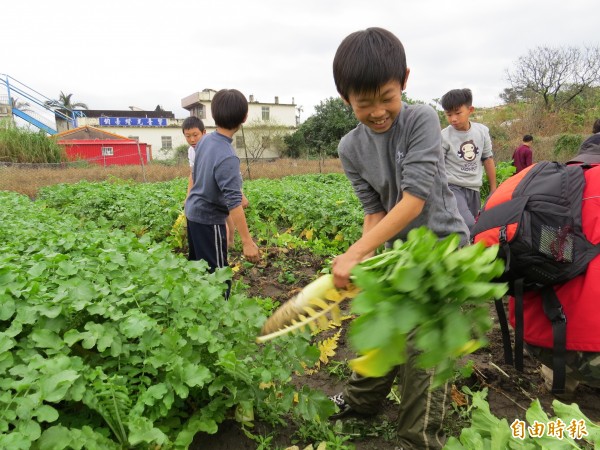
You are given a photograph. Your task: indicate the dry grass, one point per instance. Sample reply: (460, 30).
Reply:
(543, 150)
(284, 167)
(28, 179)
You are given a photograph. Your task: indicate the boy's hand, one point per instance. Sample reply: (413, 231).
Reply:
(245, 201)
(251, 252)
(341, 267)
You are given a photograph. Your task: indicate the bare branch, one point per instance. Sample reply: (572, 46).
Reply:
(556, 74)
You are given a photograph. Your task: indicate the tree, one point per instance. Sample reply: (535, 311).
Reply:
(261, 135)
(63, 109)
(555, 75)
(16, 103)
(64, 104)
(300, 110)
(510, 95)
(295, 145)
(320, 134)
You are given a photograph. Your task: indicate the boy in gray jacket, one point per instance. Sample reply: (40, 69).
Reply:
(216, 193)
(394, 161)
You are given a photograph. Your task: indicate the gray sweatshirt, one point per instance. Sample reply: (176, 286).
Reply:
(464, 152)
(217, 181)
(408, 157)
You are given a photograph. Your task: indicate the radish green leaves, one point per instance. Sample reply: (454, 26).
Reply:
(424, 296)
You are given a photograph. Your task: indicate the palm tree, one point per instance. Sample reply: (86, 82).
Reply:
(16, 103)
(64, 105)
(65, 99)
(64, 108)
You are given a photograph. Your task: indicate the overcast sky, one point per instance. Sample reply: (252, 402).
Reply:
(115, 54)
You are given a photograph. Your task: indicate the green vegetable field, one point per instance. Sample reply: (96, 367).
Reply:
(111, 339)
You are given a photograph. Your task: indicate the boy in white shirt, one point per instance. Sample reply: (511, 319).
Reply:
(467, 148)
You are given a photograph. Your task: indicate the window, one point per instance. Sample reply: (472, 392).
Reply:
(265, 112)
(239, 142)
(107, 151)
(167, 142)
(135, 138)
(199, 111)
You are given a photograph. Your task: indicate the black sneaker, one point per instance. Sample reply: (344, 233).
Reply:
(343, 408)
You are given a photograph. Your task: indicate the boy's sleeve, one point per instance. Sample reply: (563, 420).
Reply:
(191, 156)
(487, 144)
(445, 143)
(423, 153)
(229, 180)
(368, 197)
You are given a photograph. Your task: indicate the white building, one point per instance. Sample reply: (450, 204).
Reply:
(158, 129)
(262, 134)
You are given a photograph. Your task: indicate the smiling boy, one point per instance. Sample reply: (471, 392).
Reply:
(394, 161)
(467, 148)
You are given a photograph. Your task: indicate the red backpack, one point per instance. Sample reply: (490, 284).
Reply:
(535, 218)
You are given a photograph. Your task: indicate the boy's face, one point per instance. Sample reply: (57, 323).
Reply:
(378, 110)
(459, 117)
(193, 136)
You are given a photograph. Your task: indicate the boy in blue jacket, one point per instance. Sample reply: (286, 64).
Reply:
(216, 193)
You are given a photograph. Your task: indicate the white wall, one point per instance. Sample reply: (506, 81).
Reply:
(282, 114)
(148, 135)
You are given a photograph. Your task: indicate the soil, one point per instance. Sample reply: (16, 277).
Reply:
(282, 273)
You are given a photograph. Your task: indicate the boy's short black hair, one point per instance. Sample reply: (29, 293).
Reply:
(192, 122)
(528, 138)
(456, 98)
(366, 60)
(229, 108)
(596, 127)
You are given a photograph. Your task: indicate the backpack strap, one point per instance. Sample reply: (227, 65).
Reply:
(508, 357)
(503, 242)
(518, 290)
(516, 286)
(554, 312)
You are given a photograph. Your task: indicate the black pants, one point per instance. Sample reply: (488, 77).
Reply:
(208, 243)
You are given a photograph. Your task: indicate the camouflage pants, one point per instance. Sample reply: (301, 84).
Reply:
(422, 409)
(581, 366)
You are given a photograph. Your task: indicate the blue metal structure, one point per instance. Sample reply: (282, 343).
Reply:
(41, 111)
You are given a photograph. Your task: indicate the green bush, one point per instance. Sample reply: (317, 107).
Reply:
(181, 152)
(320, 134)
(568, 144)
(504, 170)
(19, 145)
(296, 145)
